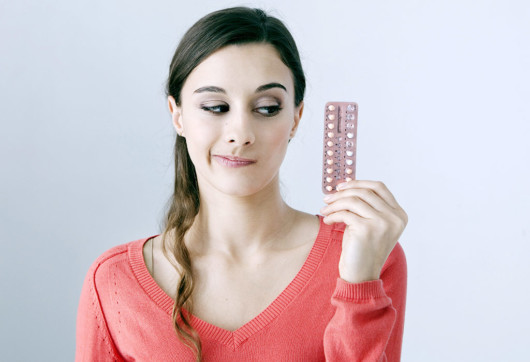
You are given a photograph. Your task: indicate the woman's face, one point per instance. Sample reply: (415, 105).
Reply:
(237, 113)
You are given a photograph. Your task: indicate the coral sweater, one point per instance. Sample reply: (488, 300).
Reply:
(124, 315)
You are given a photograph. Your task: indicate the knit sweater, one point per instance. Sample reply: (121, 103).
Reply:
(124, 315)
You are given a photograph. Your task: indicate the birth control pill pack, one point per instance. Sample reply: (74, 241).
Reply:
(340, 144)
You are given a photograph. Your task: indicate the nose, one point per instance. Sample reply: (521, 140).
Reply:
(239, 129)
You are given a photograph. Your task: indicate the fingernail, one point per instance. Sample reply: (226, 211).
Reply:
(341, 186)
(327, 198)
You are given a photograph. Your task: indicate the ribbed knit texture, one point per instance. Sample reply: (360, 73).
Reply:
(124, 315)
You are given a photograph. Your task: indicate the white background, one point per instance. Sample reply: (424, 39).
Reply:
(443, 89)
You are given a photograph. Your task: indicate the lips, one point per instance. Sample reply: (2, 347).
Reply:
(233, 161)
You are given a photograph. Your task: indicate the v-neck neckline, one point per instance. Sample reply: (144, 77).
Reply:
(234, 338)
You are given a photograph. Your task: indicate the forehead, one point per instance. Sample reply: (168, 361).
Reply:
(241, 68)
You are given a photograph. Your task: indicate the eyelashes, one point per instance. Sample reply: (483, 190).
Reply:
(221, 108)
(270, 110)
(266, 111)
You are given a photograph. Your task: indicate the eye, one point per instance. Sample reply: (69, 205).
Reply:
(219, 108)
(269, 111)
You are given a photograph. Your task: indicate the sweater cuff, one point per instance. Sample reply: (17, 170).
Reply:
(372, 289)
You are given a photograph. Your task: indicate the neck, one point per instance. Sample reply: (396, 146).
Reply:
(239, 225)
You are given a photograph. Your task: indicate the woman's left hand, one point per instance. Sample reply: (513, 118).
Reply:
(374, 222)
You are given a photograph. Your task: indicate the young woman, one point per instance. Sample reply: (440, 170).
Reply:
(237, 274)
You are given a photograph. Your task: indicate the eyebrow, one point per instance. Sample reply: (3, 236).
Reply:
(261, 88)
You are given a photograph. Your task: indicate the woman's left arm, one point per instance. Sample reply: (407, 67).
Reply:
(371, 291)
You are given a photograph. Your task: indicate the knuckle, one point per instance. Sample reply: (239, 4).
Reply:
(399, 221)
(381, 185)
(405, 218)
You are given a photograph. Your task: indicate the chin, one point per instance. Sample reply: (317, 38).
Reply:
(240, 189)
(242, 182)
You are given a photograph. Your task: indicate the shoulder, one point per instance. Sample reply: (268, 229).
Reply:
(114, 260)
(111, 256)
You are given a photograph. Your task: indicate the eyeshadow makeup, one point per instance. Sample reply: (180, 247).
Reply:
(340, 144)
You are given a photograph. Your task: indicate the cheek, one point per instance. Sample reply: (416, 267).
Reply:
(199, 142)
(283, 134)
(279, 139)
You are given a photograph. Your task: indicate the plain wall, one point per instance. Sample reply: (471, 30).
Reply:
(86, 147)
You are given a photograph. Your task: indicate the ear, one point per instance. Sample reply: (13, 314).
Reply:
(297, 117)
(176, 115)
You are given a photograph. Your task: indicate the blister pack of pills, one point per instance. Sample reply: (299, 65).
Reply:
(340, 144)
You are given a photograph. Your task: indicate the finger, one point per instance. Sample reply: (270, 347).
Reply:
(351, 204)
(349, 218)
(376, 186)
(365, 194)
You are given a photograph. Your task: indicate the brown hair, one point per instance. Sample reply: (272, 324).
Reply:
(238, 25)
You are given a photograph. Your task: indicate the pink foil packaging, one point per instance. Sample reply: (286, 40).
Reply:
(340, 144)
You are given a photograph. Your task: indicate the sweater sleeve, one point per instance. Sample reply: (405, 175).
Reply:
(93, 340)
(369, 317)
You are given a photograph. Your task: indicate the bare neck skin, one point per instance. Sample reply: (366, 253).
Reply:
(239, 227)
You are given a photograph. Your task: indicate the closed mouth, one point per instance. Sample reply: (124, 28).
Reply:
(233, 161)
